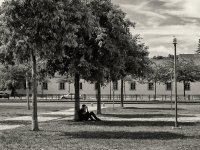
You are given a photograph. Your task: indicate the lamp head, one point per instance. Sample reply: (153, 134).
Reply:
(175, 40)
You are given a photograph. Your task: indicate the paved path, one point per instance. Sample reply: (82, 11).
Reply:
(68, 115)
(195, 118)
(42, 117)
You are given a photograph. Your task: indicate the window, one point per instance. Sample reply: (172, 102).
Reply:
(45, 86)
(115, 85)
(168, 86)
(133, 86)
(187, 86)
(150, 86)
(81, 86)
(62, 86)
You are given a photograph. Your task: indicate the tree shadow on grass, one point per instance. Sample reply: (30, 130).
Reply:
(143, 115)
(137, 123)
(55, 115)
(14, 122)
(123, 135)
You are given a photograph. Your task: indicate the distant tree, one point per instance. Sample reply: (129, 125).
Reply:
(12, 78)
(158, 57)
(157, 73)
(198, 49)
(187, 71)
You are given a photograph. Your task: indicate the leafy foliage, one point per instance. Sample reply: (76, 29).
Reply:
(13, 77)
(198, 48)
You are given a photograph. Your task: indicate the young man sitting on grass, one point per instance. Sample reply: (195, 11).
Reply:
(85, 115)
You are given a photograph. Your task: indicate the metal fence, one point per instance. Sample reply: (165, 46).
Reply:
(108, 97)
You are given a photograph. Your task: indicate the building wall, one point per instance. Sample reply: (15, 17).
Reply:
(89, 88)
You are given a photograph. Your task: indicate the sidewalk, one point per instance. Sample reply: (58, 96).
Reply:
(51, 116)
(68, 115)
(196, 118)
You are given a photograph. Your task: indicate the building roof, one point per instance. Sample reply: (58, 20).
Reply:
(194, 57)
(162, 60)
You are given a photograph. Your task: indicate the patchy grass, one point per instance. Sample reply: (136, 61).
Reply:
(19, 110)
(109, 135)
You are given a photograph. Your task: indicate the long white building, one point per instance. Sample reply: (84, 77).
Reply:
(57, 86)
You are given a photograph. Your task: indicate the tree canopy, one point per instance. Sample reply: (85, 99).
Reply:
(87, 39)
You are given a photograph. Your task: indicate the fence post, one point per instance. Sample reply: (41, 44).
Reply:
(149, 97)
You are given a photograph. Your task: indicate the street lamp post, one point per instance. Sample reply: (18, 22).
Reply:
(175, 81)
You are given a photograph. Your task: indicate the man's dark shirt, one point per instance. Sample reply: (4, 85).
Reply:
(83, 116)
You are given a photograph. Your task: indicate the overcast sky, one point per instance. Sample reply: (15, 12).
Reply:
(157, 21)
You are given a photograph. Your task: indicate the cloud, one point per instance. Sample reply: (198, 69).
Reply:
(187, 29)
(184, 8)
(142, 9)
(160, 50)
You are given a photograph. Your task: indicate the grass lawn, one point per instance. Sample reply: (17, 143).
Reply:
(20, 109)
(110, 135)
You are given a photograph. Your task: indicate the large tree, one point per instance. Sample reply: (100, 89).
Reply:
(115, 39)
(136, 62)
(35, 30)
(98, 56)
(74, 61)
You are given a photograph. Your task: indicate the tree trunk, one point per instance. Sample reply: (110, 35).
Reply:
(34, 103)
(122, 93)
(155, 91)
(98, 98)
(69, 88)
(27, 92)
(77, 101)
(13, 91)
(42, 89)
(124, 90)
(110, 91)
(184, 89)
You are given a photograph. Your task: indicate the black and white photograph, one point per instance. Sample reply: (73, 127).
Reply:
(99, 74)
